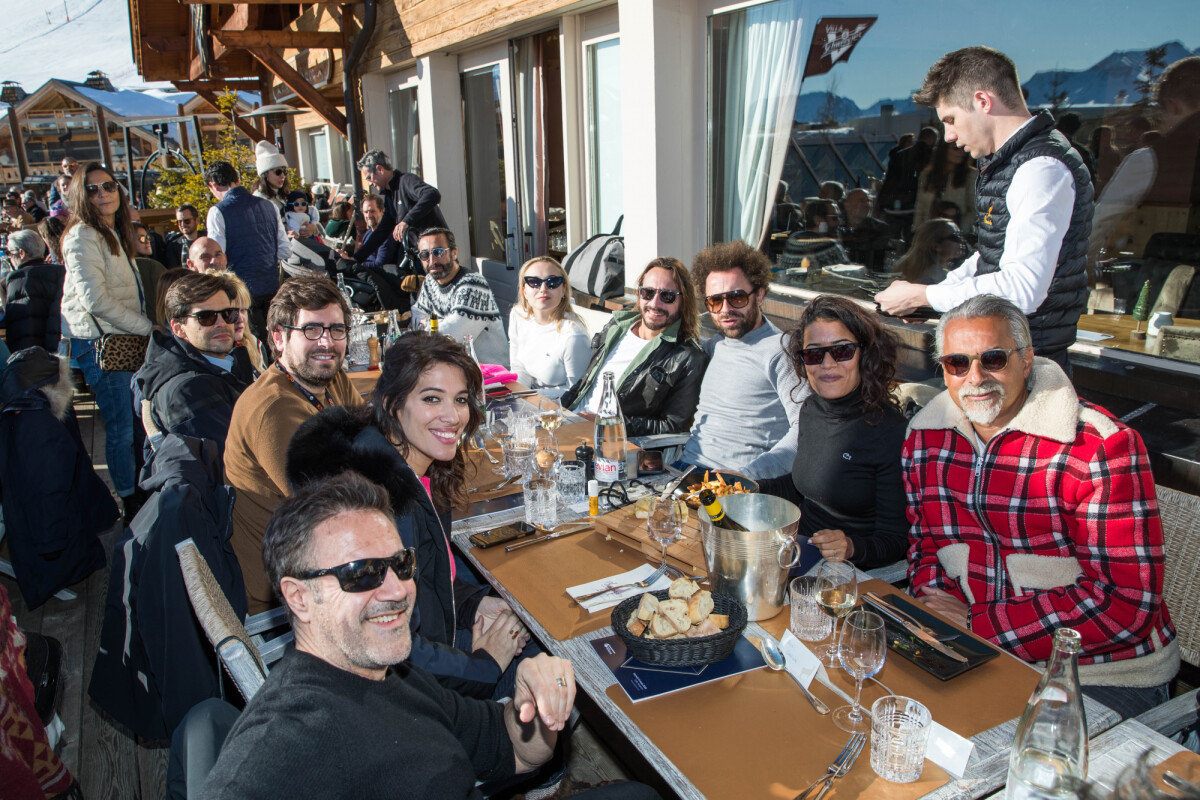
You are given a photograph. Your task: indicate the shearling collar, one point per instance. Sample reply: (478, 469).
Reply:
(1051, 410)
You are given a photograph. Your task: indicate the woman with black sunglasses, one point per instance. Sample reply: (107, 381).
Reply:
(103, 293)
(548, 343)
(846, 478)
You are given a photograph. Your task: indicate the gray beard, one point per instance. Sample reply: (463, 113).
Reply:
(983, 415)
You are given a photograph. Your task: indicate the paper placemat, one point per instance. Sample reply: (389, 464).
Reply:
(973, 702)
(616, 596)
(538, 577)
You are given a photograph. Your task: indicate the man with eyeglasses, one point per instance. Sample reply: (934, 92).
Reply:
(187, 219)
(752, 429)
(1034, 510)
(309, 333)
(344, 713)
(413, 203)
(653, 351)
(194, 374)
(462, 300)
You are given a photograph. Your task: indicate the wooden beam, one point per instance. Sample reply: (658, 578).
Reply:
(165, 44)
(14, 125)
(184, 144)
(242, 125)
(303, 89)
(102, 132)
(300, 40)
(218, 85)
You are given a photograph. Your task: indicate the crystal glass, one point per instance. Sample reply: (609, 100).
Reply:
(541, 502)
(550, 413)
(899, 735)
(520, 448)
(809, 622)
(546, 456)
(665, 522)
(572, 481)
(837, 592)
(862, 650)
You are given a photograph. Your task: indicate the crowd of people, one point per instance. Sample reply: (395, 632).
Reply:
(1019, 507)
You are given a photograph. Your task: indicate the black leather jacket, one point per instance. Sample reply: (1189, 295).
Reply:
(660, 394)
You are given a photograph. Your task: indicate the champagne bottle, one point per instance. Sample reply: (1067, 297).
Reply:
(610, 434)
(433, 323)
(1050, 751)
(712, 507)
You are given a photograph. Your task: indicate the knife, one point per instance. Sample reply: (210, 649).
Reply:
(494, 487)
(547, 537)
(884, 607)
(673, 485)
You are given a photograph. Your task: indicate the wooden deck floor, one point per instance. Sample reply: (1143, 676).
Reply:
(106, 759)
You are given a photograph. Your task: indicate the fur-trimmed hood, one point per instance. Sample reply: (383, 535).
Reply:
(1051, 411)
(35, 370)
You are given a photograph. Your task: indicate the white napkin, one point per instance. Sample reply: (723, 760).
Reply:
(612, 598)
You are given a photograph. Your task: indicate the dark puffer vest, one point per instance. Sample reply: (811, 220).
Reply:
(251, 224)
(1053, 323)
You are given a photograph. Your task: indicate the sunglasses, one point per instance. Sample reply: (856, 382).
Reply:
(368, 573)
(553, 282)
(143, 238)
(279, 171)
(208, 317)
(436, 252)
(667, 295)
(108, 186)
(811, 356)
(736, 299)
(313, 331)
(959, 364)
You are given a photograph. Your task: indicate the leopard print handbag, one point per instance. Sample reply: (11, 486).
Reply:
(121, 352)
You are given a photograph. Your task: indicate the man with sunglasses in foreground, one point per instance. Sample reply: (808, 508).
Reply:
(193, 375)
(654, 352)
(344, 713)
(750, 429)
(1034, 510)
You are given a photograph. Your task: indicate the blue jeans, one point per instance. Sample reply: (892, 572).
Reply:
(115, 399)
(1129, 701)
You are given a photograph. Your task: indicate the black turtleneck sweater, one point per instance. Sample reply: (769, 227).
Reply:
(847, 477)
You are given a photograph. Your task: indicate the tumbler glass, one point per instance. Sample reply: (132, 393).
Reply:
(809, 621)
(572, 481)
(541, 502)
(899, 735)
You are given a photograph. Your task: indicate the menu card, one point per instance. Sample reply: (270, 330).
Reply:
(643, 681)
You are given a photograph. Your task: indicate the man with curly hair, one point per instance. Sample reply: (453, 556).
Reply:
(750, 397)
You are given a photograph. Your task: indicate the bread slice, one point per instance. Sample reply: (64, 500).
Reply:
(647, 607)
(720, 620)
(700, 605)
(637, 626)
(676, 611)
(661, 627)
(706, 628)
(682, 588)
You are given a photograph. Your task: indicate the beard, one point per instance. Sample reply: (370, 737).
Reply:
(982, 414)
(317, 373)
(743, 320)
(660, 324)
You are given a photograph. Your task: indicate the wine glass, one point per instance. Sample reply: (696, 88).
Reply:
(664, 522)
(862, 650)
(546, 456)
(500, 426)
(837, 592)
(550, 413)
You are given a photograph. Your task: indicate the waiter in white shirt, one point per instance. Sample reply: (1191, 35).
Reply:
(1033, 202)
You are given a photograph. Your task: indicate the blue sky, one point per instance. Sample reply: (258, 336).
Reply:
(910, 35)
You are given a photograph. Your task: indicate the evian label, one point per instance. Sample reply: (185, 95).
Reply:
(607, 470)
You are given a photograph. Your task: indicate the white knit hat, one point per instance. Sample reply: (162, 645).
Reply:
(267, 157)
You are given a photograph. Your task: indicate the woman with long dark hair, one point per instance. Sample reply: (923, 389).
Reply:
(409, 440)
(103, 293)
(937, 248)
(949, 176)
(846, 477)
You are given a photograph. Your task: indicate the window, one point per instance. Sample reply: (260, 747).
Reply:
(487, 198)
(406, 130)
(318, 161)
(604, 134)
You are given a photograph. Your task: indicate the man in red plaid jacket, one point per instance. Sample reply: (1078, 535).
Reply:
(1033, 510)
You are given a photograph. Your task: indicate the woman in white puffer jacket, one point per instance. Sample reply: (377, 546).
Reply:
(102, 293)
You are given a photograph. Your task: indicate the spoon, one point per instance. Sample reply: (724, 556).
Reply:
(776, 661)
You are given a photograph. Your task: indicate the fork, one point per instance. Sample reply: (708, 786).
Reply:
(840, 766)
(658, 573)
(483, 448)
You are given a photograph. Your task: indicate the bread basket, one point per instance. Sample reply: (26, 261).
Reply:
(682, 652)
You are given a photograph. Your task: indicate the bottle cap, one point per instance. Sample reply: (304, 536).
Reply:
(593, 488)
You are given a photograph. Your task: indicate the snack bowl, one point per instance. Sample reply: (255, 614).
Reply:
(749, 485)
(695, 652)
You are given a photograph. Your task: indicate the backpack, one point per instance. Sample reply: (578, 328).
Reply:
(597, 267)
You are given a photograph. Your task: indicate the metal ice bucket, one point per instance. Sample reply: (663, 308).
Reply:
(752, 565)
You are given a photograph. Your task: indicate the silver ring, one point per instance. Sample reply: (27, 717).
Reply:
(562, 683)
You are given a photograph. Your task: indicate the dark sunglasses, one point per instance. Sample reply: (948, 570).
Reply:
(368, 573)
(143, 238)
(208, 317)
(811, 356)
(553, 282)
(279, 171)
(108, 186)
(313, 331)
(436, 252)
(736, 299)
(667, 295)
(959, 364)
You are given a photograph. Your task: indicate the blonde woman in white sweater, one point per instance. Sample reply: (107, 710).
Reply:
(102, 293)
(548, 344)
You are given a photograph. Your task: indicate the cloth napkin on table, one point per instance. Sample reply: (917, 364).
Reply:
(613, 598)
(495, 373)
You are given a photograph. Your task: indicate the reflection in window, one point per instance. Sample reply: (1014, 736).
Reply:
(406, 130)
(604, 134)
(487, 203)
(318, 148)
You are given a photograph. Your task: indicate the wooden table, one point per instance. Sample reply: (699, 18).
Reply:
(1120, 326)
(986, 770)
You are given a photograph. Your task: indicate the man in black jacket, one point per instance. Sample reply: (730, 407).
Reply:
(654, 353)
(194, 375)
(412, 201)
(32, 295)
